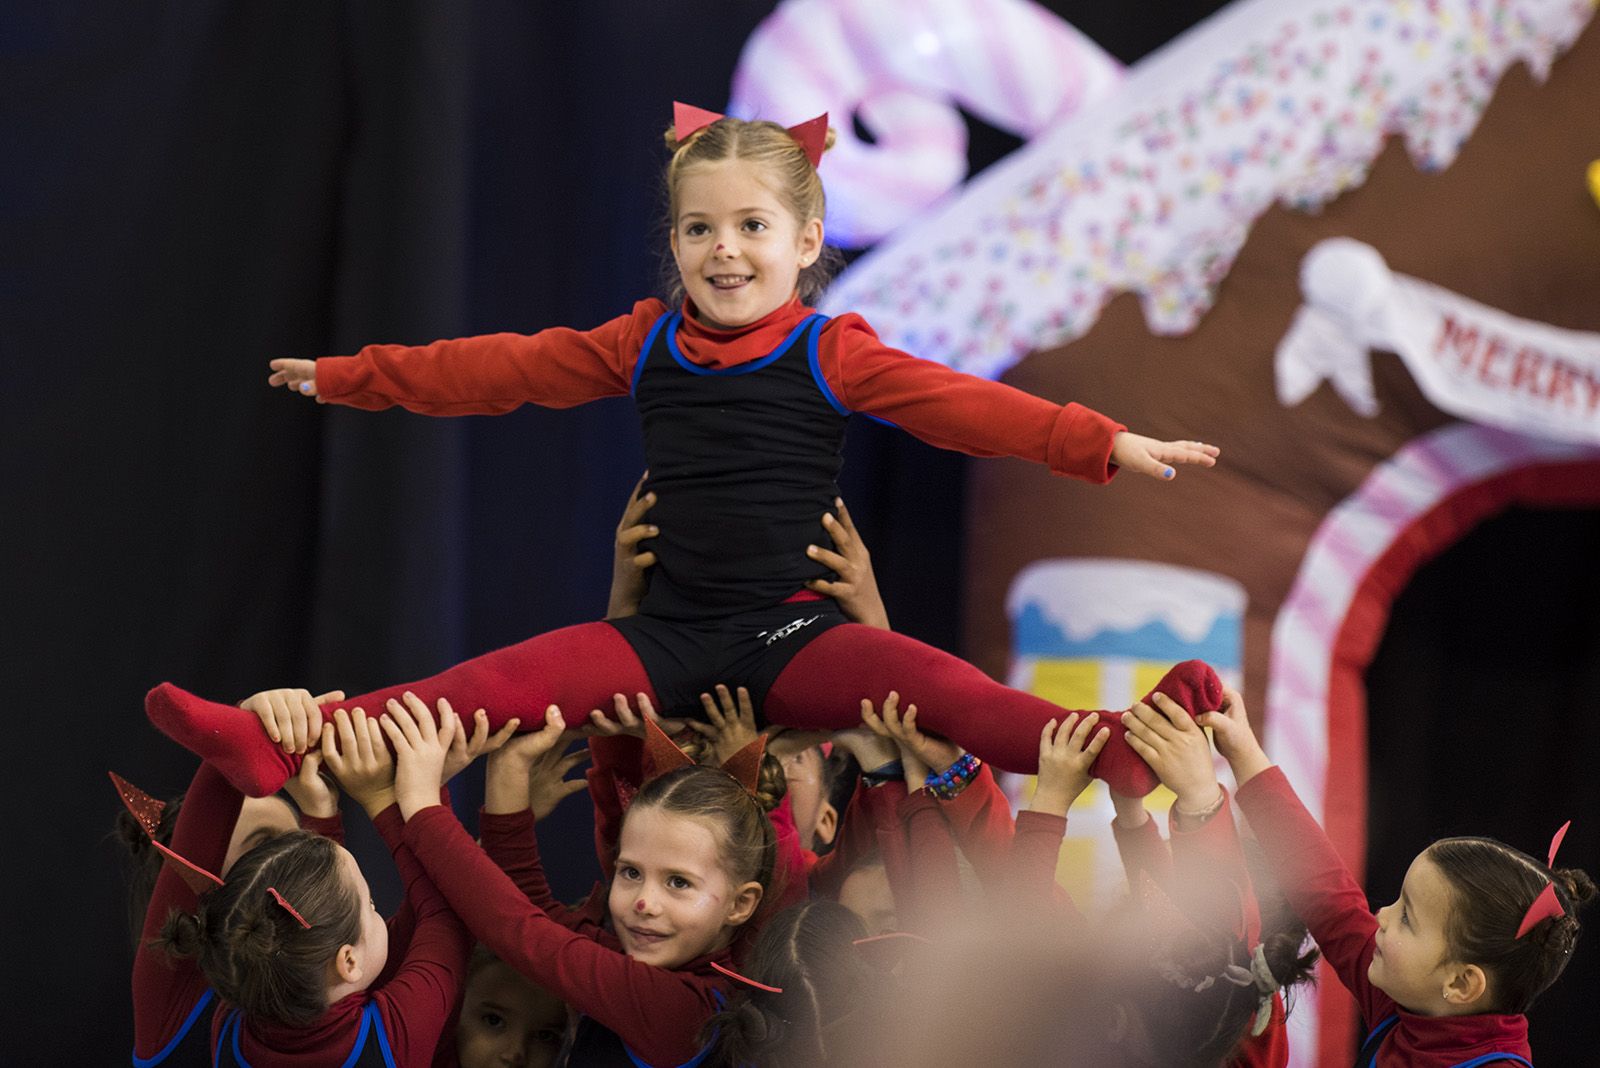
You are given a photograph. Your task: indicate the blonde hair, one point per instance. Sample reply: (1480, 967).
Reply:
(796, 182)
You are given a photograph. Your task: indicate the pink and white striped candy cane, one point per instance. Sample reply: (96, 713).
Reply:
(902, 67)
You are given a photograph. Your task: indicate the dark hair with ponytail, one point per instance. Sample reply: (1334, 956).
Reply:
(808, 952)
(251, 949)
(1491, 887)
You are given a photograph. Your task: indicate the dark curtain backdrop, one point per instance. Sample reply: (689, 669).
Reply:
(191, 188)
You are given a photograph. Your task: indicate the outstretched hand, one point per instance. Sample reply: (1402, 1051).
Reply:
(1235, 739)
(920, 754)
(1148, 456)
(420, 750)
(1066, 753)
(292, 717)
(627, 721)
(353, 748)
(300, 376)
(730, 726)
(1176, 749)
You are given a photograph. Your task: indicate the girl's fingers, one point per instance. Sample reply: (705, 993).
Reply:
(366, 748)
(1098, 742)
(725, 699)
(400, 716)
(713, 713)
(624, 712)
(1080, 733)
(828, 559)
(1171, 711)
(313, 715)
(1047, 736)
(646, 708)
(644, 560)
(747, 709)
(704, 730)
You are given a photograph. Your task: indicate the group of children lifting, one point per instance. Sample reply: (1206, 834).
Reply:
(722, 938)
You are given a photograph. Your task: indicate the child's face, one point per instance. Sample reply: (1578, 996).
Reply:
(866, 892)
(508, 1022)
(671, 898)
(738, 246)
(813, 816)
(372, 948)
(260, 818)
(1411, 963)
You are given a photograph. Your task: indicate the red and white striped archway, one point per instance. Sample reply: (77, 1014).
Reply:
(1413, 506)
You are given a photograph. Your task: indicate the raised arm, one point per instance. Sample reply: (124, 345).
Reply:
(1314, 878)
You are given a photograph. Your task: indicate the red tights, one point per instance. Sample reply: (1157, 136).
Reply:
(579, 668)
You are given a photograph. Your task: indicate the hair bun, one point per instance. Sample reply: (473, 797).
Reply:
(1576, 883)
(182, 934)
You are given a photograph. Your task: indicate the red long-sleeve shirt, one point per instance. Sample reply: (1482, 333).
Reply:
(658, 1013)
(560, 368)
(416, 993)
(166, 988)
(1322, 890)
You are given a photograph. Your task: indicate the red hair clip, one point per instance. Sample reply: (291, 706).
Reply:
(1547, 904)
(290, 909)
(811, 135)
(746, 980)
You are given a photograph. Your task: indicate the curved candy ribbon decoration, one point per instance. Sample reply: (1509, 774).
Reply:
(903, 68)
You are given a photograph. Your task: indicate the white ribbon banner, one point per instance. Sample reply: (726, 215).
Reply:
(1471, 360)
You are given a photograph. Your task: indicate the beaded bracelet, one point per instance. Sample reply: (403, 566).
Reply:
(950, 782)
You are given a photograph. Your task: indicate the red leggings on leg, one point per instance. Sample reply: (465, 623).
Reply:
(823, 685)
(576, 668)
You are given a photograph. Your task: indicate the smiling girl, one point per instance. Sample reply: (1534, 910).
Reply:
(694, 863)
(743, 391)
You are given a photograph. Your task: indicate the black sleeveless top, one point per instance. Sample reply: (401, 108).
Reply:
(744, 461)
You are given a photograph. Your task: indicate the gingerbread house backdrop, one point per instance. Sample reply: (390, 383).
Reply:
(1351, 241)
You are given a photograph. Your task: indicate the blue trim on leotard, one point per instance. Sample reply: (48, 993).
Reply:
(736, 369)
(166, 1051)
(644, 352)
(371, 1023)
(816, 370)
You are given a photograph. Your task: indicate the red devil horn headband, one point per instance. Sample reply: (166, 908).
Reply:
(811, 135)
(1547, 904)
(147, 810)
(661, 755)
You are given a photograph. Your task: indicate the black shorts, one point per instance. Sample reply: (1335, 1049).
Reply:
(686, 658)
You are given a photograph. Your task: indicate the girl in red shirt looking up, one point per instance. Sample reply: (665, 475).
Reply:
(1443, 975)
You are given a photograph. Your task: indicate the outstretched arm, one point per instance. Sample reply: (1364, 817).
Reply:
(485, 375)
(952, 410)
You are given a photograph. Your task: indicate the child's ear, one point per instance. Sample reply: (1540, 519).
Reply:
(827, 824)
(743, 903)
(811, 236)
(346, 965)
(1466, 989)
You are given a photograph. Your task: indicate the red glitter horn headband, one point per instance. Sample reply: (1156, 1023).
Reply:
(812, 135)
(1546, 905)
(147, 811)
(661, 755)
